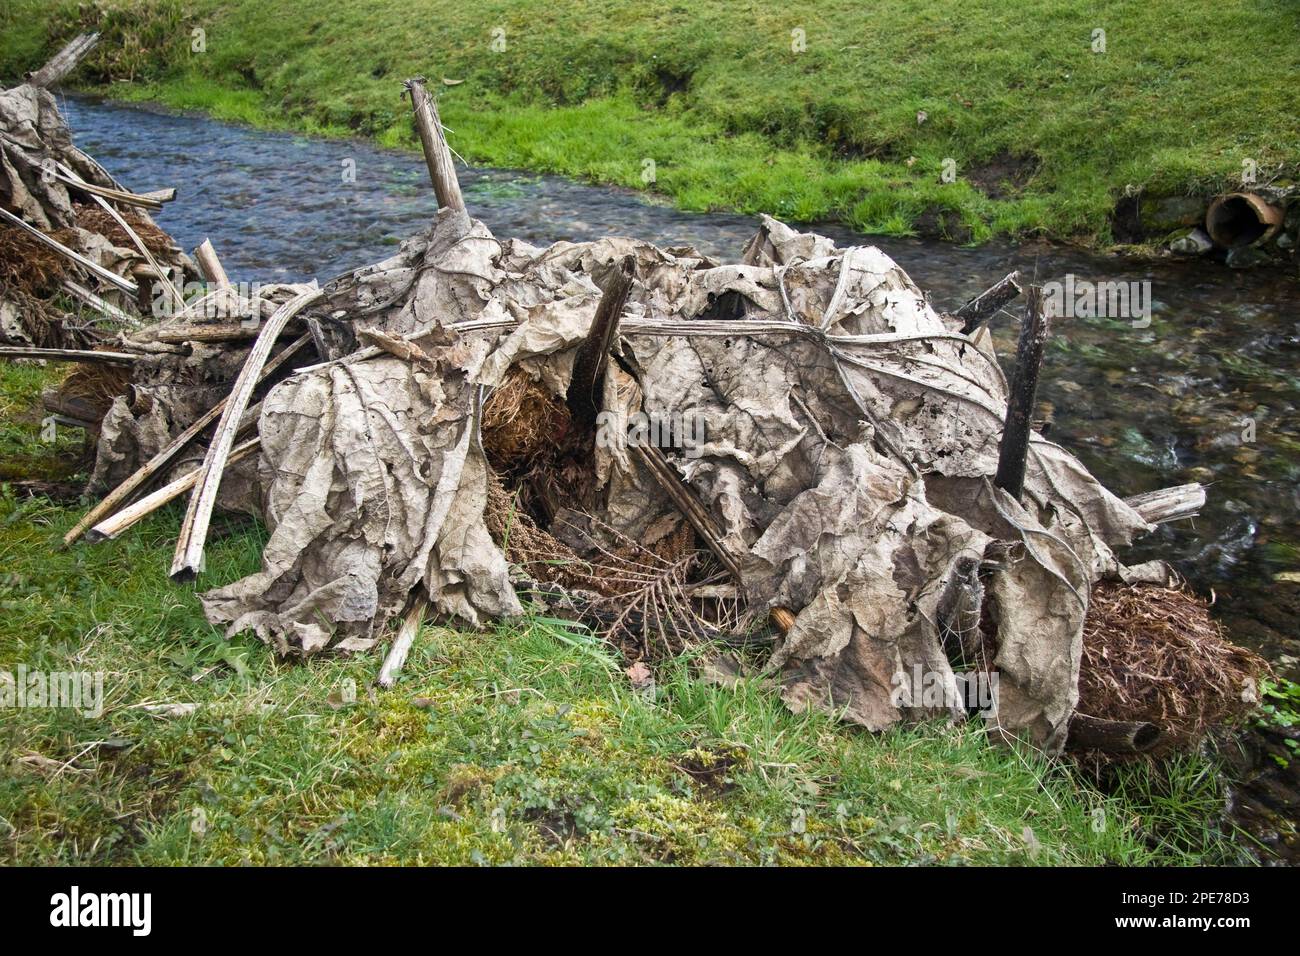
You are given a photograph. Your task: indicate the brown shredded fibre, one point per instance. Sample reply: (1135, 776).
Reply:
(96, 385)
(97, 219)
(1154, 653)
(28, 266)
(522, 422)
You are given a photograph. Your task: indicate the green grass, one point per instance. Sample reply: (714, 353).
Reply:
(25, 452)
(731, 115)
(520, 744)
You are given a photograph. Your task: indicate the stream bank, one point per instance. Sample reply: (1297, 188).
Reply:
(1042, 119)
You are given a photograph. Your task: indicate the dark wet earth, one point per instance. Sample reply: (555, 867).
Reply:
(1209, 392)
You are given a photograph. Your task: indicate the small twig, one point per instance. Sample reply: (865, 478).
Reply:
(68, 355)
(988, 303)
(99, 304)
(401, 348)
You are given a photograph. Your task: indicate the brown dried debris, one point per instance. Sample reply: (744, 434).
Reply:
(1155, 654)
(96, 386)
(97, 220)
(639, 594)
(522, 422)
(536, 551)
(30, 267)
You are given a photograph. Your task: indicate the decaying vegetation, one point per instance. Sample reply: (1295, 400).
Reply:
(1154, 655)
(450, 432)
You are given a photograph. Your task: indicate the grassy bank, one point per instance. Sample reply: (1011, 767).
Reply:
(801, 109)
(521, 744)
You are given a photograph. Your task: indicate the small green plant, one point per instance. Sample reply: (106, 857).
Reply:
(1280, 710)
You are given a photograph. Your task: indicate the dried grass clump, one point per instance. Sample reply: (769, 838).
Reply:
(96, 219)
(32, 276)
(1154, 653)
(522, 422)
(96, 386)
(30, 267)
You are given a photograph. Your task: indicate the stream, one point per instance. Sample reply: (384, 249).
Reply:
(1208, 391)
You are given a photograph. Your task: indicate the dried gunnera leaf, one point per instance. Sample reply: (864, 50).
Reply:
(848, 471)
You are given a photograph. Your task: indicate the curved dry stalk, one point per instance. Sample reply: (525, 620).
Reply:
(188, 560)
(178, 296)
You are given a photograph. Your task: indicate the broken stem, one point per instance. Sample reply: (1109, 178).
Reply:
(131, 233)
(1169, 504)
(583, 396)
(65, 61)
(396, 658)
(1112, 736)
(206, 258)
(985, 305)
(437, 154)
(700, 519)
(202, 333)
(1014, 446)
(122, 196)
(694, 512)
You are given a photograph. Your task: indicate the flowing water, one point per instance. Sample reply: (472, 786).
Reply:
(1208, 391)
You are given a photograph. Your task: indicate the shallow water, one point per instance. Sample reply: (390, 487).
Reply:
(1209, 391)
